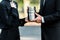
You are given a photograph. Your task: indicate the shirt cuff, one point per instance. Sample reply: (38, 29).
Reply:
(0, 31)
(43, 20)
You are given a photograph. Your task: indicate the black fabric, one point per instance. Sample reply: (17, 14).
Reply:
(41, 3)
(9, 16)
(7, 0)
(2, 17)
(9, 12)
(10, 34)
(51, 13)
(9, 21)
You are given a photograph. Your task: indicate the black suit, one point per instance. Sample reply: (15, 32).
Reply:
(9, 21)
(51, 13)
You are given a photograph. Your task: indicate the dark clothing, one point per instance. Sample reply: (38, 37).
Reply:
(2, 25)
(10, 34)
(7, 0)
(9, 21)
(51, 13)
(10, 17)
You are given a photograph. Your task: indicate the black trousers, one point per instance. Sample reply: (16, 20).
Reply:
(10, 34)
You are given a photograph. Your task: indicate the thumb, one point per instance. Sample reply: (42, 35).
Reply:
(35, 19)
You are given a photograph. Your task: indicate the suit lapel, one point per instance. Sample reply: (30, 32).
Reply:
(42, 3)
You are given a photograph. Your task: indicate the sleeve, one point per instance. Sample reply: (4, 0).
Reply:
(54, 16)
(15, 13)
(15, 10)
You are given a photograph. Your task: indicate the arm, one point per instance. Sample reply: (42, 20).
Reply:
(54, 16)
(16, 15)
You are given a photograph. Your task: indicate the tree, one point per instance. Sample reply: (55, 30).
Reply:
(34, 1)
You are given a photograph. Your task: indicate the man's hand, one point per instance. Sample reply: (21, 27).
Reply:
(38, 19)
(26, 19)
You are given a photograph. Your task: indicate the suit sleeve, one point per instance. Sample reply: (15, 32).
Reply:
(15, 13)
(54, 16)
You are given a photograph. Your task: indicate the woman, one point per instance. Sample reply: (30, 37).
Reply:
(11, 20)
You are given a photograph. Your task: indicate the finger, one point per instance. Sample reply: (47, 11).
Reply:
(26, 21)
(34, 20)
(37, 14)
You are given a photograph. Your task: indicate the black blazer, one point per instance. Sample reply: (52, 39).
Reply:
(9, 16)
(51, 13)
(2, 25)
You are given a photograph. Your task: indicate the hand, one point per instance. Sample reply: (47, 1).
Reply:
(13, 4)
(38, 19)
(26, 19)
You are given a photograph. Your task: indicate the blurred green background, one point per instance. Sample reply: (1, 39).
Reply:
(34, 3)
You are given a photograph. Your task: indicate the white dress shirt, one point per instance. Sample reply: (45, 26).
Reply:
(43, 21)
(43, 2)
(0, 31)
(13, 4)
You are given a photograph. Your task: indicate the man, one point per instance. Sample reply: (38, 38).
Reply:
(9, 20)
(49, 16)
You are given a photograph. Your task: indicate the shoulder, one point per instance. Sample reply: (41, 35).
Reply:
(2, 3)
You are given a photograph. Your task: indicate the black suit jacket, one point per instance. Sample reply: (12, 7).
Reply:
(9, 16)
(51, 13)
(2, 25)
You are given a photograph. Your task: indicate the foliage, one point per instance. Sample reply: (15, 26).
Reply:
(34, 1)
